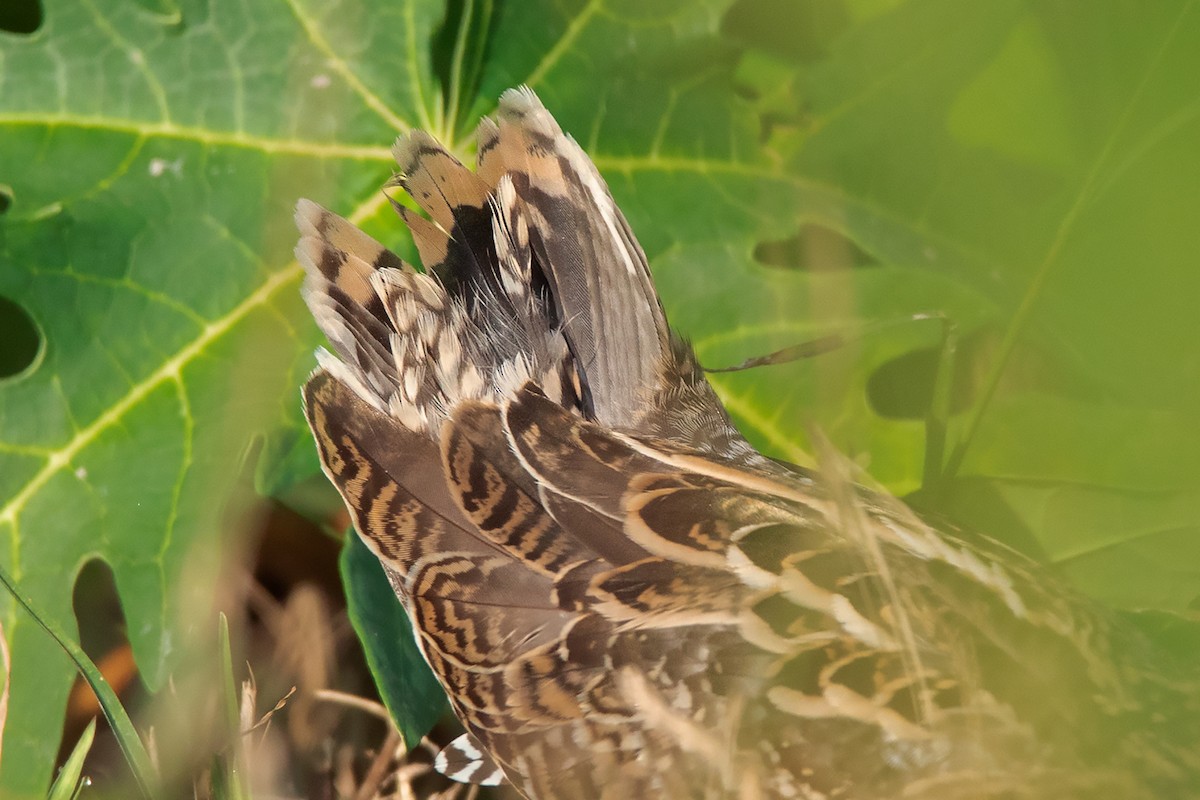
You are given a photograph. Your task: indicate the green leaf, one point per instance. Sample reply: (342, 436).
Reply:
(1026, 170)
(405, 682)
(1048, 159)
(153, 171)
(67, 784)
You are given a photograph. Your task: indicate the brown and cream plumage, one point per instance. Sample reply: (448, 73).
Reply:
(621, 597)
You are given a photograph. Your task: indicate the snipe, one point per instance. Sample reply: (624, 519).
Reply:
(622, 598)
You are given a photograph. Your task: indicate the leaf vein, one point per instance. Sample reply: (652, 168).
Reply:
(339, 65)
(171, 369)
(202, 136)
(136, 57)
(560, 48)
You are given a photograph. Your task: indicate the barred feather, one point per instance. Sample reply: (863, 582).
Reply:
(619, 595)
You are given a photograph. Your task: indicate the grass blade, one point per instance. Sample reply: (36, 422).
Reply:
(122, 727)
(234, 775)
(66, 785)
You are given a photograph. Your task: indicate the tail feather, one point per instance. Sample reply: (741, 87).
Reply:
(597, 273)
(454, 196)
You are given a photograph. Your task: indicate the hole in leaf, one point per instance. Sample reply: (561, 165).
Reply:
(98, 612)
(20, 16)
(19, 338)
(772, 124)
(6, 198)
(747, 92)
(102, 635)
(814, 248)
(903, 387)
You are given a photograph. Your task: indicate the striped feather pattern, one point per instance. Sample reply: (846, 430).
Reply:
(620, 596)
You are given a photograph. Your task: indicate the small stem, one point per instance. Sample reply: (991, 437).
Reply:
(937, 423)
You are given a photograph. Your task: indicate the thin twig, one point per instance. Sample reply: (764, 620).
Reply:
(379, 768)
(354, 701)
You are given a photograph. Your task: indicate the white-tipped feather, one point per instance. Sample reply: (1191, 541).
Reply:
(339, 370)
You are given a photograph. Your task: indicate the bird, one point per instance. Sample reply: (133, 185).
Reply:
(620, 595)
